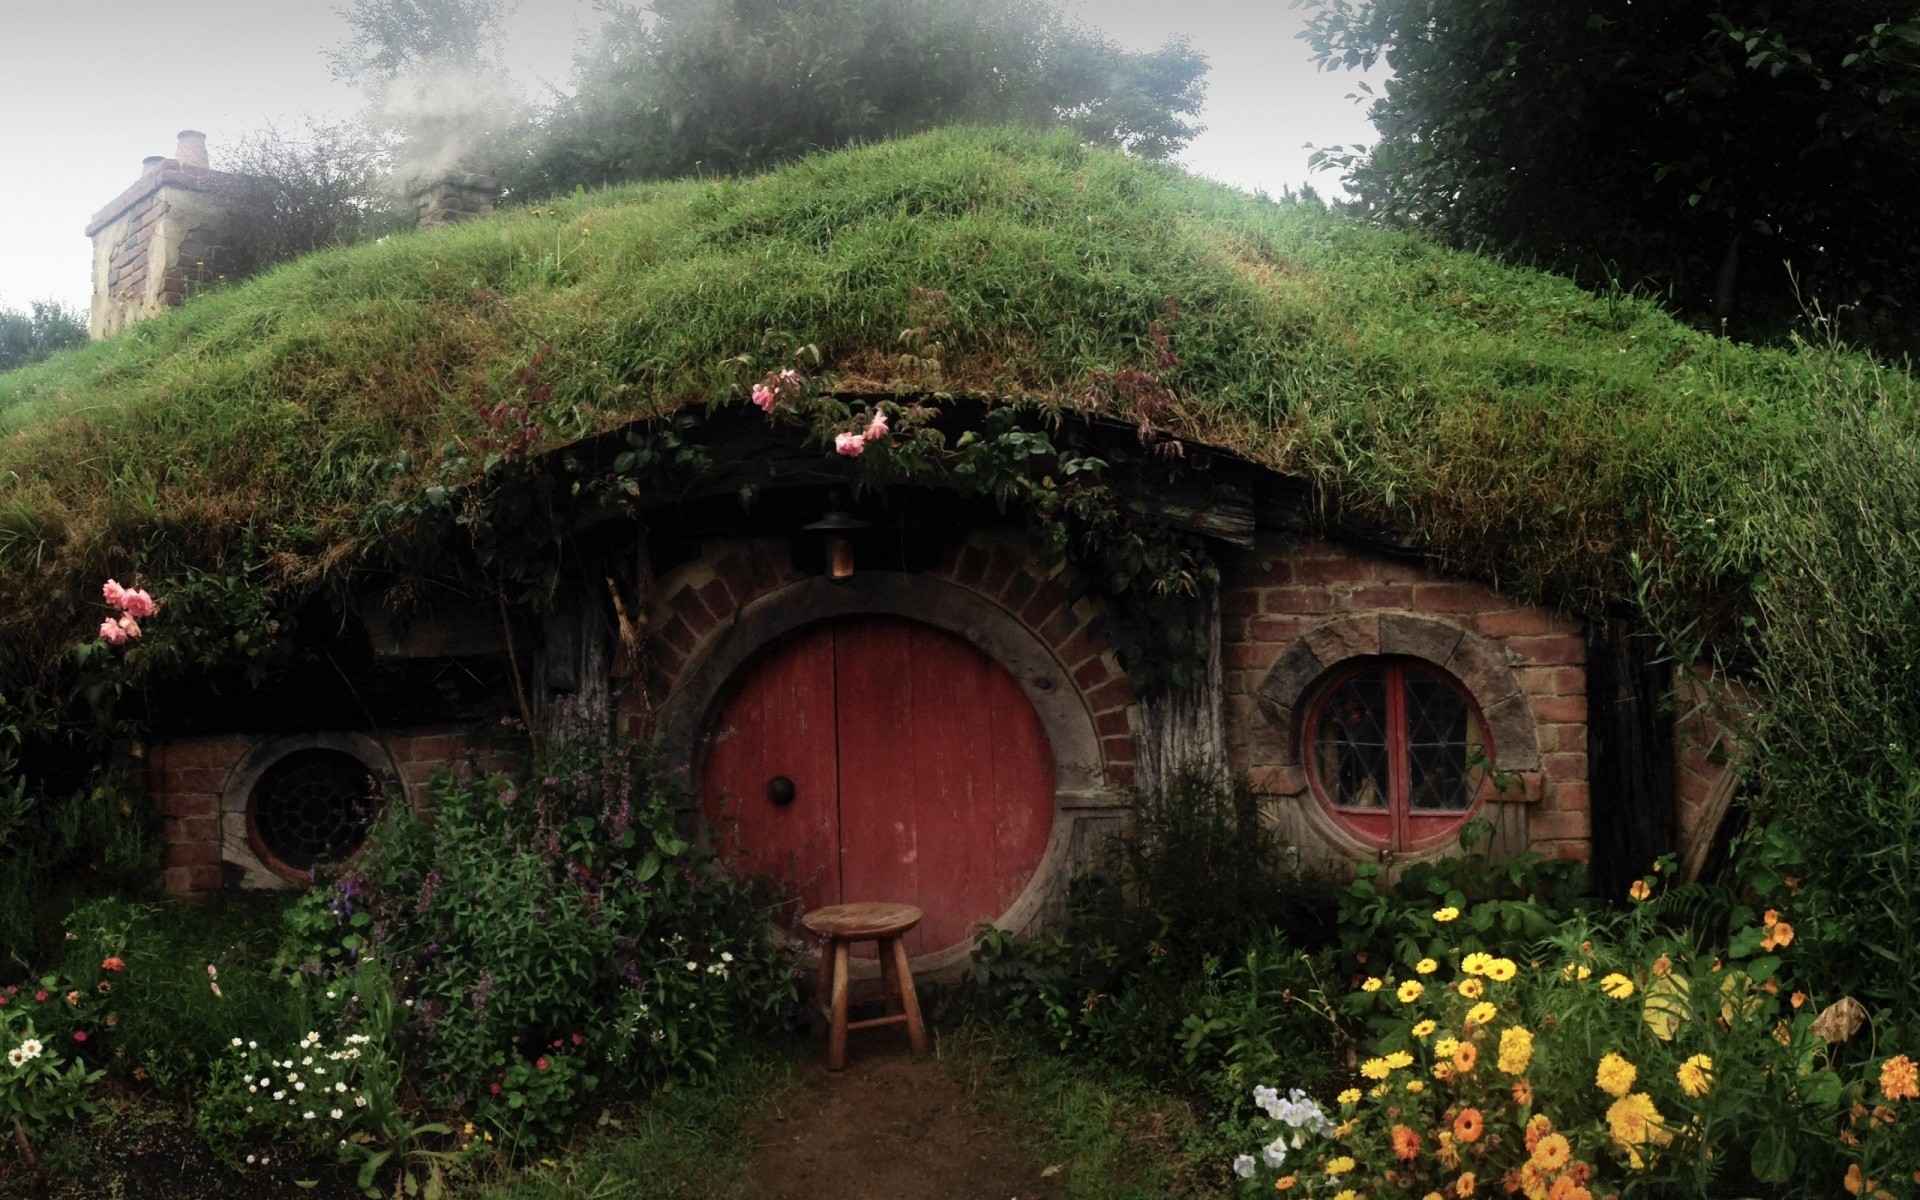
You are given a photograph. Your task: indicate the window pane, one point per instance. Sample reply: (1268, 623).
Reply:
(1351, 742)
(1441, 737)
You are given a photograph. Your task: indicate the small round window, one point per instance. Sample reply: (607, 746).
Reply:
(312, 807)
(1396, 751)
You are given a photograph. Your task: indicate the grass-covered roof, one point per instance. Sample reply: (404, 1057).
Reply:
(1526, 429)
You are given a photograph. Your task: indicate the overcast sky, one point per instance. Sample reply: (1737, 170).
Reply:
(90, 87)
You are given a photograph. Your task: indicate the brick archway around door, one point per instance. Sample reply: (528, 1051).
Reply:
(715, 616)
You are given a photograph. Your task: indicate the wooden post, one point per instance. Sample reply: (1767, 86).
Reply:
(1185, 728)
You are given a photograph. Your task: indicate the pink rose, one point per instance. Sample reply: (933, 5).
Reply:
(111, 631)
(877, 428)
(850, 444)
(137, 603)
(129, 628)
(764, 397)
(115, 594)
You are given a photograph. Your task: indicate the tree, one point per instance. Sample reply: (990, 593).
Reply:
(392, 37)
(1745, 157)
(46, 327)
(736, 85)
(326, 185)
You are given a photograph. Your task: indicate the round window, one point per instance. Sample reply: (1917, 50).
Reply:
(312, 807)
(1396, 751)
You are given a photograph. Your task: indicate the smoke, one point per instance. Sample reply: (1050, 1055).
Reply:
(450, 115)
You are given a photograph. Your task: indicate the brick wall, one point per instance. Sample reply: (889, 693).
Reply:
(194, 783)
(1286, 589)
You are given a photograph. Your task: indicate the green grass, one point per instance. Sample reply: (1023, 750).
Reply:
(1111, 1136)
(683, 1143)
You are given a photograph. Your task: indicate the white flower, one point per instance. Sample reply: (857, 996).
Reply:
(29, 1050)
(237, 1043)
(337, 1114)
(264, 1081)
(307, 1061)
(253, 1045)
(693, 966)
(15, 1059)
(359, 1101)
(251, 1089)
(1275, 1153)
(339, 1087)
(281, 1094)
(300, 1087)
(213, 972)
(1243, 1166)
(307, 1115)
(726, 956)
(250, 1158)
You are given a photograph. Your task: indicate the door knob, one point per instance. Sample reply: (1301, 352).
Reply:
(780, 790)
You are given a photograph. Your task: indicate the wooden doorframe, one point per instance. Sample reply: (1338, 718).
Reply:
(1083, 802)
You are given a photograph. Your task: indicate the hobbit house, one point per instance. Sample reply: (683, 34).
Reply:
(989, 514)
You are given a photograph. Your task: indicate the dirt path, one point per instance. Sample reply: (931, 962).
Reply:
(891, 1127)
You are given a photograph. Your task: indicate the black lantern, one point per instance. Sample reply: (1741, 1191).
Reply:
(837, 529)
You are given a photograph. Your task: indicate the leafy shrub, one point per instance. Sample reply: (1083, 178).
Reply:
(1176, 961)
(537, 935)
(38, 1083)
(1616, 1057)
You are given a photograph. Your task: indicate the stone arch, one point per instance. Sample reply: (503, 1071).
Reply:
(1479, 663)
(1080, 790)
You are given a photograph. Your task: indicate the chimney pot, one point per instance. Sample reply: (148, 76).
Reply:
(151, 161)
(192, 151)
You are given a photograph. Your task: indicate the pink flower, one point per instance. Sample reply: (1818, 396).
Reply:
(115, 594)
(540, 1064)
(850, 444)
(112, 962)
(494, 1088)
(73, 997)
(79, 1035)
(877, 428)
(765, 397)
(214, 988)
(129, 628)
(111, 631)
(137, 603)
(41, 995)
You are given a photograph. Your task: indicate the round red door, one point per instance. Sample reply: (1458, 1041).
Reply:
(920, 773)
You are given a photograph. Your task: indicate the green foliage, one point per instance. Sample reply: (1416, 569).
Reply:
(676, 87)
(44, 329)
(1174, 964)
(39, 1084)
(528, 934)
(1746, 159)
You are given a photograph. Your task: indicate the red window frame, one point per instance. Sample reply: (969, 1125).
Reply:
(1397, 827)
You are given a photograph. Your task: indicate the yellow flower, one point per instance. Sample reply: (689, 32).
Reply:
(1426, 966)
(1516, 1050)
(1442, 1071)
(1340, 1165)
(1639, 890)
(1634, 1122)
(1411, 990)
(1449, 913)
(1615, 1075)
(1575, 971)
(1476, 963)
(1379, 1090)
(1696, 1075)
(1346, 1194)
(1375, 1068)
(1399, 1059)
(1464, 1185)
(1433, 1196)
(1416, 1086)
(1900, 1078)
(1552, 1152)
(1422, 1029)
(1471, 989)
(1445, 1047)
(1350, 1096)
(1482, 1014)
(1618, 986)
(1371, 984)
(1501, 969)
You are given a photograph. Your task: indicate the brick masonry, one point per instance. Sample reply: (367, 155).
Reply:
(203, 823)
(1289, 591)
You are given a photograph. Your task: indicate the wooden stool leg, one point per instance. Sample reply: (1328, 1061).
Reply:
(823, 982)
(837, 1027)
(916, 1031)
(889, 977)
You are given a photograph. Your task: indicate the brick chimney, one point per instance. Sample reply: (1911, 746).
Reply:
(163, 237)
(454, 195)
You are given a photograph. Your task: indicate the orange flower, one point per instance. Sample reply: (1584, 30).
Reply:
(1406, 1143)
(1639, 890)
(1522, 1093)
(1468, 1125)
(1900, 1078)
(1464, 1185)
(1567, 1189)
(1552, 1152)
(1444, 1151)
(112, 962)
(1539, 1125)
(1778, 934)
(1464, 1057)
(1285, 1183)
(1663, 965)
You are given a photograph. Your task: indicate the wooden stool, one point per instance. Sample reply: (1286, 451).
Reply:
(842, 925)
